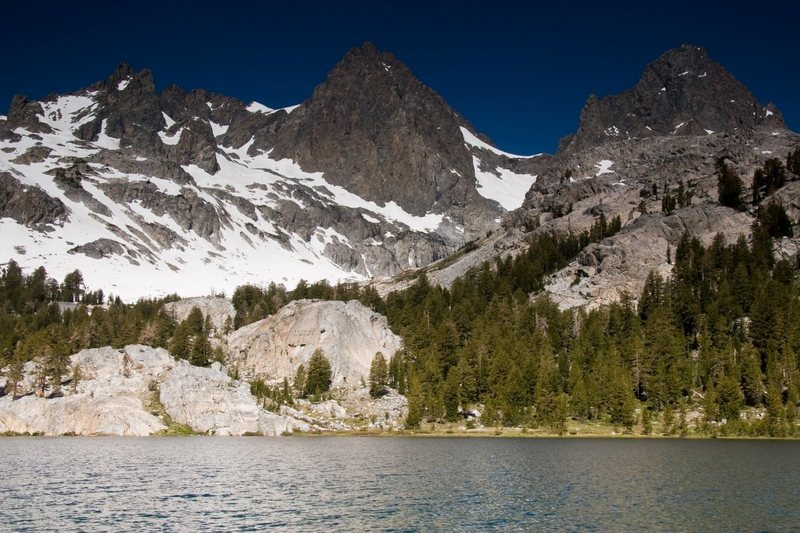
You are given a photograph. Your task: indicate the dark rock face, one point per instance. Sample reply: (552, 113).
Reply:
(30, 206)
(188, 209)
(373, 128)
(99, 248)
(23, 113)
(683, 92)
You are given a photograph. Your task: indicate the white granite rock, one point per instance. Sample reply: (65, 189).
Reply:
(348, 333)
(115, 396)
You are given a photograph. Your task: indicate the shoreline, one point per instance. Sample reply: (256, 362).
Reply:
(506, 433)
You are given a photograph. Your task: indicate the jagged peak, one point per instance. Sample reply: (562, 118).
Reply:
(123, 76)
(367, 58)
(682, 92)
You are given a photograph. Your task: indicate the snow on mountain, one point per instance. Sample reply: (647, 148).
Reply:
(500, 184)
(471, 140)
(503, 186)
(123, 232)
(193, 264)
(150, 193)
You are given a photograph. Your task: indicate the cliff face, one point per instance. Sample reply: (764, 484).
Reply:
(348, 334)
(373, 128)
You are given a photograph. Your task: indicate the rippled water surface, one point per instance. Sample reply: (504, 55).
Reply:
(346, 483)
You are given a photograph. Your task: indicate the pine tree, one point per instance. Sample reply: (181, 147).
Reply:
(299, 383)
(729, 186)
(647, 421)
(378, 376)
(14, 375)
(451, 395)
(415, 401)
(683, 426)
(318, 376)
(669, 419)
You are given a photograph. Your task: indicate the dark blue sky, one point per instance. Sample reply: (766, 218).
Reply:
(519, 72)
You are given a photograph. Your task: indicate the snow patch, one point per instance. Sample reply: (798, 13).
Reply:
(217, 129)
(473, 141)
(67, 113)
(104, 141)
(171, 140)
(370, 219)
(767, 112)
(710, 132)
(123, 84)
(612, 131)
(684, 73)
(703, 75)
(604, 167)
(168, 120)
(255, 107)
(504, 187)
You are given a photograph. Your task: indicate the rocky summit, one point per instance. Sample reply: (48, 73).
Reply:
(150, 192)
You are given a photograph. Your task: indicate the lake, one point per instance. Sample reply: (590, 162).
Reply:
(357, 483)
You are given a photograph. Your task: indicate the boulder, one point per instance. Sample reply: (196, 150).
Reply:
(348, 333)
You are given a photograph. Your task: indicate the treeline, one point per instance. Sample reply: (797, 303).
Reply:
(253, 303)
(34, 325)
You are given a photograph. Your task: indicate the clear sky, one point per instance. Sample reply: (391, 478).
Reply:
(519, 71)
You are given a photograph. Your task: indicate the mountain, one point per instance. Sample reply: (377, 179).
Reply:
(683, 92)
(669, 131)
(151, 192)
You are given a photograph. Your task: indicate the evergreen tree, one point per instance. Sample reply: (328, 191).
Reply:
(14, 375)
(729, 398)
(72, 289)
(647, 421)
(318, 376)
(729, 186)
(451, 395)
(378, 376)
(300, 381)
(622, 403)
(793, 162)
(415, 401)
(397, 371)
(683, 426)
(669, 420)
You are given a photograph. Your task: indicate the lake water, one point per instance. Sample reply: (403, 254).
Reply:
(352, 483)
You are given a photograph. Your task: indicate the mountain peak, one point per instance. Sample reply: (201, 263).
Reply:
(378, 131)
(682, 92)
